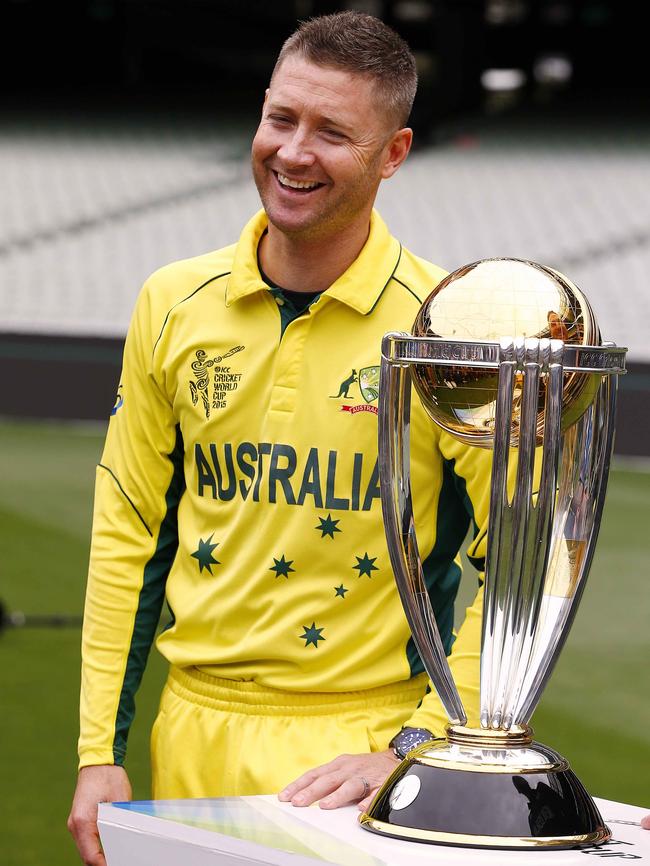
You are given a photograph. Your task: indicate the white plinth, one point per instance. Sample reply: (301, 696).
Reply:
(235, 831)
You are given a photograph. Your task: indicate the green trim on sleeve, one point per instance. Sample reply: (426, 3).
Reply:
(150, 603)
(126, 496)
(441, 573)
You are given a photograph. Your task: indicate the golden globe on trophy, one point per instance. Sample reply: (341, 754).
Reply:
(505, 354)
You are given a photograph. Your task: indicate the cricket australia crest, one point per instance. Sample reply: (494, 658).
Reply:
(367, 380)
(369, 383)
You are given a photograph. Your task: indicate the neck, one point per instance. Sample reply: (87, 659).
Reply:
(302, 264)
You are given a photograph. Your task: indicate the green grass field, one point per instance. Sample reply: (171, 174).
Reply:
(596, 710)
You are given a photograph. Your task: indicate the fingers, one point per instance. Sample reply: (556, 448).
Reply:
(346, 793)
(307, 779)
(364, 804)
(320, 787)
(645, 822)
(84, 832)
(347, 779)
(95, 784)
(304, 780)
(333, 790)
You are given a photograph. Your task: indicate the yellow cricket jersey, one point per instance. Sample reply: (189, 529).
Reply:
(239, 481)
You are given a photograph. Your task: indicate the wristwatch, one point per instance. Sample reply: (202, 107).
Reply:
(407, 739)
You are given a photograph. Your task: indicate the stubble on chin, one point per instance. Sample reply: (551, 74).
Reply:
(310, 227)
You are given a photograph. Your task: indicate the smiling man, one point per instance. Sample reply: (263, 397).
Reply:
(239, 480)
(324, 144)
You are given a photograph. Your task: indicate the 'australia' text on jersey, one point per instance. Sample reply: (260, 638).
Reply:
(276, 470)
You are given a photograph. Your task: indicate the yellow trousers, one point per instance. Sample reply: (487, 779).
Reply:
(220, 738)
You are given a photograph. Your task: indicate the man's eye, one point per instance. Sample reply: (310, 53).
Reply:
(279, 118)
(333, 133)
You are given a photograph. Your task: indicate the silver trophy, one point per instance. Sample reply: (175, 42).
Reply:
(505, 354)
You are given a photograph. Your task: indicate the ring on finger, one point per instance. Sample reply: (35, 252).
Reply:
(366, 787)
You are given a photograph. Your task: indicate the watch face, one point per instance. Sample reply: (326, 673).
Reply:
(409, 738)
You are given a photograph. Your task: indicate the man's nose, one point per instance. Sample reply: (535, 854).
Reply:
(297, 150)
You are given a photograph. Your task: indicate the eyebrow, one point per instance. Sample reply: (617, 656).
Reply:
(323, 119)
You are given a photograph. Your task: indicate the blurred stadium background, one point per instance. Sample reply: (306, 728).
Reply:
(124, 144)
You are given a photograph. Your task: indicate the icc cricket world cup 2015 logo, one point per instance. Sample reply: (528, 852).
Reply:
(224, 380)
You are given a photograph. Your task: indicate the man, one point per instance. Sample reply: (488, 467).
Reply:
(237, 487)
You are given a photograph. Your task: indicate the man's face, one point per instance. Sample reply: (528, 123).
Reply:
(320, 150)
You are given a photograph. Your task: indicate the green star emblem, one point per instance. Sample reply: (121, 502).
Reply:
(340, 591)
(312, 635)
(327, 526)
(282, 566)
(366, 565)
(203, 554)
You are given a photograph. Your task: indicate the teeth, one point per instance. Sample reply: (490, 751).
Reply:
(297, 184)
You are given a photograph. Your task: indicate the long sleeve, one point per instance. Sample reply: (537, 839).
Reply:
(134, 540)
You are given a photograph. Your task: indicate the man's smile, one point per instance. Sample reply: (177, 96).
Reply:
(300, 186)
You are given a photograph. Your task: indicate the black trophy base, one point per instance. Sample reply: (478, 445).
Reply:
(492, 798)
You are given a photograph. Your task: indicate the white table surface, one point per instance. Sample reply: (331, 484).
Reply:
(261, 830)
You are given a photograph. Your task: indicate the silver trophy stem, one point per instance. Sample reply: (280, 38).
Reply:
(520, 530)
(519, 580)
(394, 475)
(499, 543)
(539, 544)
(540, 551)
(587, 453)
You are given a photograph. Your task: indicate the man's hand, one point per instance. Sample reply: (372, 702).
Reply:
(645, 822)
(102, 784)
(347, 779)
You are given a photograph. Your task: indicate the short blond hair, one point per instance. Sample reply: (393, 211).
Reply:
(364, 45)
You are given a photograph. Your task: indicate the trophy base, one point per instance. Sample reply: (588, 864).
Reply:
(486, 789)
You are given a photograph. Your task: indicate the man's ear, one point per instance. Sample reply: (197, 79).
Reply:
(397, 150)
